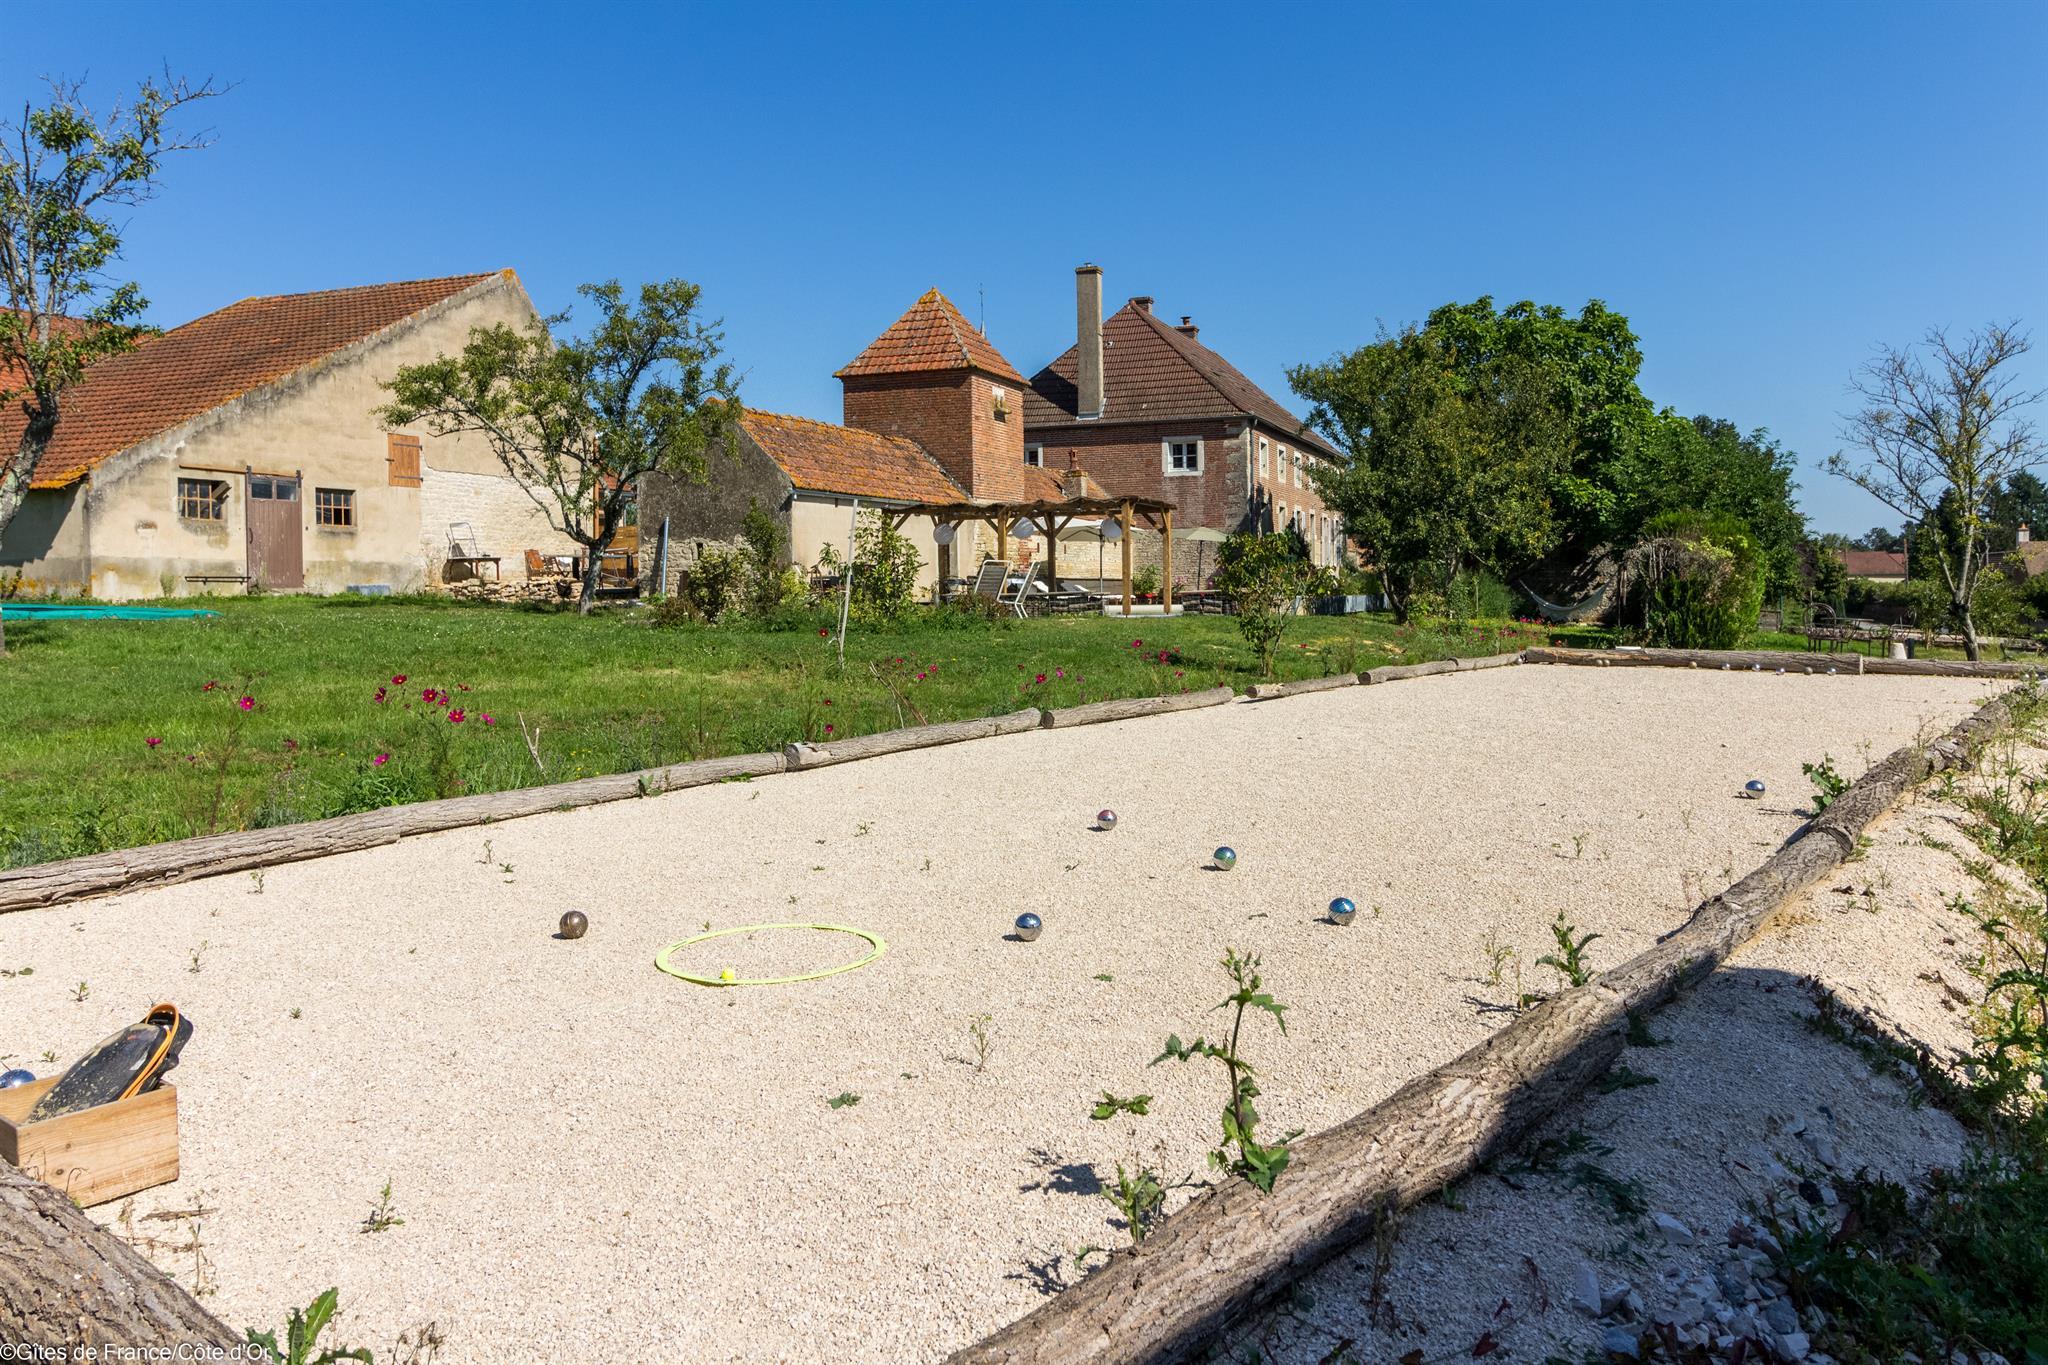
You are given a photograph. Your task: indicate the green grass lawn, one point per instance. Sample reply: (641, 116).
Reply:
(80, 701)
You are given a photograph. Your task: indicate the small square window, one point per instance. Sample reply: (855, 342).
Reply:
(203, 499)
(1034, 455)
(1181, 457)
(334, 508)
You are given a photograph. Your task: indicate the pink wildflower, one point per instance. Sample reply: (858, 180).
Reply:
(430, 694)
(153, 741)
(486, 718)
(397, 680)
(380, 760)
(209, 687)
(247, 703)
(379, 698)
(828, 729)
(1039, 678)
(456, 717)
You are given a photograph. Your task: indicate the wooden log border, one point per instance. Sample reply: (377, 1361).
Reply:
(1267, 691)
(1233, 1248)
(1771, 661)
(800, 756)
(1129, 708)
(67, 1282)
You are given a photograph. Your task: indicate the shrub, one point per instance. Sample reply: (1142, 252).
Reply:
(711, 586)
(768, 578)
(885, 568)
(1695, 581)
(1145, 582)
(1262, 575)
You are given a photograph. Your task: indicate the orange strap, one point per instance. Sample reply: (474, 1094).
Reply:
(170, 1036)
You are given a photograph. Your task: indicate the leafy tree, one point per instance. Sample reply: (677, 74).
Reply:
(576, 421)
(1453, 455)
(1954, 431)
(1706, 464)
(1877, 538)
(1588, 365)
(67, 178)
(1262, 575)
(1830, 575)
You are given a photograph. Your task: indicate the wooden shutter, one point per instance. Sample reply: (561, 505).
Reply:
(403, 455)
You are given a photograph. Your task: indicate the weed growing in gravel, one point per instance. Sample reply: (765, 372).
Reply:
(383, 1215)
(1497, 955)
(256, 882)
(81, 992)
(844, 1099)
(1139, 1194)
(302, 1337)
(194, 957)
(981, 1029)
(1260, 1163)
(1569, 961)
(1827, 783)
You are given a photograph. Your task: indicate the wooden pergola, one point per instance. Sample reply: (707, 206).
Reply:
(1050, 517)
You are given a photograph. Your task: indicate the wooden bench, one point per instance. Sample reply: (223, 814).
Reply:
(216, 578)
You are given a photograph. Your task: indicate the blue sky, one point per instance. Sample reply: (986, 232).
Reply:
(1767, 191)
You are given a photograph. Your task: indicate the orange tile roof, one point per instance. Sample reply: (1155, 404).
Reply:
(930, 336)
(192, 369)
(823, 458)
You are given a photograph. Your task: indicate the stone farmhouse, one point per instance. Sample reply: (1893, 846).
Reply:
(242, 451)
(932, 413)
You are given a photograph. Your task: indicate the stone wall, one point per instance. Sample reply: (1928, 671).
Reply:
(504, 519)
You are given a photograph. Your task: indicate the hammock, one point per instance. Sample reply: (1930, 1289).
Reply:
(1551, 611)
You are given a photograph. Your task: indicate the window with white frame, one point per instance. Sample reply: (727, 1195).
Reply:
(1180, 456)
(1297, 469)
(1280, 519)
(1263, 445)
(1034, 455)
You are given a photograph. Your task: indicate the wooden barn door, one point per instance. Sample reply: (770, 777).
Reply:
(276, 551)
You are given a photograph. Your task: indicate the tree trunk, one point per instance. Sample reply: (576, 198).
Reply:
(1971, 647)
(15, 477)
(65, 1281)
(586, 598)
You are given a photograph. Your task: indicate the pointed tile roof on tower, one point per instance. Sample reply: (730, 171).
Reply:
(932, 335)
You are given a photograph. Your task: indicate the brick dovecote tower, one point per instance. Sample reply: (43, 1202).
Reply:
(935, 379)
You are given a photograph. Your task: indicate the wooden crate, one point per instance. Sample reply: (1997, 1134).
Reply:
(96, 1154)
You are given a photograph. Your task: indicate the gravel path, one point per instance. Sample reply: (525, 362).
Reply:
(590, 1156)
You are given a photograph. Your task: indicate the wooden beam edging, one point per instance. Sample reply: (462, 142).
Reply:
(802, 756)
(1234, 1248)
(1403, 672)
(99, 874)
(67, 1282)
(1267, 691)
(1769, 661)
(1127, 708)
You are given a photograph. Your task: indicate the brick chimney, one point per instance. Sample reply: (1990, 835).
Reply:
(1088, 342)
(2026, 533)
(1187, 327)
(1142, 302)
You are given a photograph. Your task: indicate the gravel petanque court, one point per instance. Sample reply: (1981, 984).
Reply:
(592, 1157)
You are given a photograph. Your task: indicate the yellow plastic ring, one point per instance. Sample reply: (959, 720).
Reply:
(661, 959)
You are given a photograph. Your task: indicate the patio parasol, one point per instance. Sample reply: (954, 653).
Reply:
(1203, 536)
